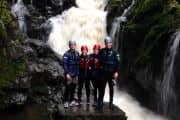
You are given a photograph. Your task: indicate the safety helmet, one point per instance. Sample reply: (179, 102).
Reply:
(72, 42)
(108, 39)
(96, 47)
(84, 47)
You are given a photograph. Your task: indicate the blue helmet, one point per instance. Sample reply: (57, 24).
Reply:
(72, 42)
(108, 39)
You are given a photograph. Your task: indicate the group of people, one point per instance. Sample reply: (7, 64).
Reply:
(99, 68)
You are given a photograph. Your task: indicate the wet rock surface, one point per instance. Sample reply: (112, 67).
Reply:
(84, 112)
(143, 51)
(39, 12)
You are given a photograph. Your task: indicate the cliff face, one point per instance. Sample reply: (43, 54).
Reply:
(29, 70)
(12, 58)
(150, 26)
(115, 8)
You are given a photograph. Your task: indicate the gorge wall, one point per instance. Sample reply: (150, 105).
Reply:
(144, 41)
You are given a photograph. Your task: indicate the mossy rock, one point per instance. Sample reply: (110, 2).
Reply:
(10, 67)
(40, 89)
(154, 21)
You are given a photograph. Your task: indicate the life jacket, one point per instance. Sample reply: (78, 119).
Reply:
(110, 60)
(94, 62)
(84, 63)
(84, 67)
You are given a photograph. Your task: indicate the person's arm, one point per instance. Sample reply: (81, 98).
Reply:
(101, 58)
(65, 63)
(78, 62)
(90, 61)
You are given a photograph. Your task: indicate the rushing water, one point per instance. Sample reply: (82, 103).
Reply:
(132, 107)
(116, 26)
(20, 11)
(168, 97)
(86, 24)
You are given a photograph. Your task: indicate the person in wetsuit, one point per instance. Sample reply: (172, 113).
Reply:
(84, 75)
(95, 72)
(110, 63)
(71, 70)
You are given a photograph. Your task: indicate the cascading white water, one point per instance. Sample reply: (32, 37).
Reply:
(116, 26)
(86, 24)
(132, 108)
(168, 97)
(13, 2)
(31, 2)
(20, 11)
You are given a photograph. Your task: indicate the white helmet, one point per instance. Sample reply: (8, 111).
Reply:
(108, 39)
(72, 42)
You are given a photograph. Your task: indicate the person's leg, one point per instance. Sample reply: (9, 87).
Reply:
(111, 91)
(94, 82)
(67, 93)
(87, 85)
(72, 88)
(80, 87)
(102, 87)
(98, 84)
(71, 92)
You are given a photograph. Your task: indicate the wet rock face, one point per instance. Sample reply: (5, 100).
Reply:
(42, 81)
(115, 8)
(143, 49)
(48, 6)
(53, 6)
(42, 59)
(43, 76)
(40, 11)
(45, 72)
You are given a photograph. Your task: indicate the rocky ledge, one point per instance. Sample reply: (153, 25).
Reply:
(87, 112)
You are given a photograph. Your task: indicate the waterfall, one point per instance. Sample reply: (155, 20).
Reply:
(86, 24)
(31, 2)
(13, 2)
(116, 25)
(20, 11)
(167, 95)
(131, 106)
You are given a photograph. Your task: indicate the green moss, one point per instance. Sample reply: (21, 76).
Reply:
(3, 32)
(154, 21)
(10, 70)
(41, 89)
(11, 67)
(114, 3)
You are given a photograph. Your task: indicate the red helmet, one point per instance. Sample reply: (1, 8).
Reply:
(96, 47)
(84, 47)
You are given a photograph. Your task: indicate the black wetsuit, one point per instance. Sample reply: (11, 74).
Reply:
(110, 63)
